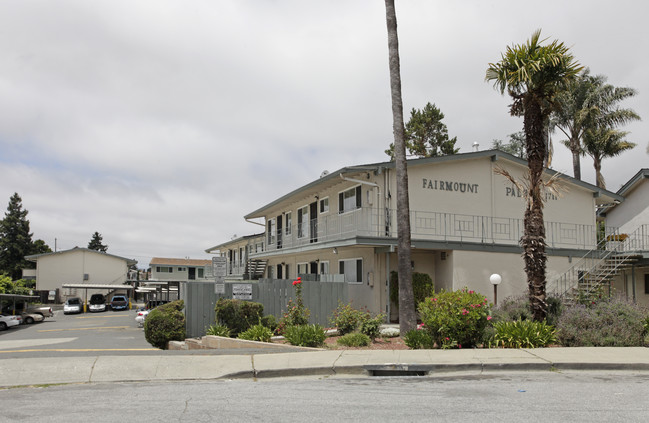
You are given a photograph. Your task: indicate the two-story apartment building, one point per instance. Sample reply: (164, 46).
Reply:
(238, 252)
(466, 222)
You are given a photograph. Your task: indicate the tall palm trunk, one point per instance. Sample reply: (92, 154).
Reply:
(599, 178)
(575, 149)
(407, 315)
(533, 240)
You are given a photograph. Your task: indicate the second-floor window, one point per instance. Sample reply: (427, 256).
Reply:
(288, 223)
(349, 200)
(303, 222)
(271, 232)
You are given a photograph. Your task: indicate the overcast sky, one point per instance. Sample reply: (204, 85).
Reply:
(160, 124)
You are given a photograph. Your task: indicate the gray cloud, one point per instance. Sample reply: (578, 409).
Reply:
(161, 123)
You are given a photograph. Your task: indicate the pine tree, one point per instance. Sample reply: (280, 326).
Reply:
(96, 243)
(15, 239)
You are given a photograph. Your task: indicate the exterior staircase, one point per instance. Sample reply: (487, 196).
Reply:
(255, 268)
(594, 272)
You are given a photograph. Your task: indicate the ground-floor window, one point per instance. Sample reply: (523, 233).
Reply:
(646, 283)
(324, 268)
(302, 268)
(352, 269)
(271, 272)
(164, 269)
(201, 272)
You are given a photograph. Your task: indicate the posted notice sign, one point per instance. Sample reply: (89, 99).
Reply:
(242, 291)
(219, 268)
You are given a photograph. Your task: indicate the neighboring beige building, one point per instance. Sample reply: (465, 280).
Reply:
(79, 266)
(178, 269)
(631, 217)
(466, 222)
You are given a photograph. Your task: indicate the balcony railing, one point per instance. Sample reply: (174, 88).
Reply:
(427, 226)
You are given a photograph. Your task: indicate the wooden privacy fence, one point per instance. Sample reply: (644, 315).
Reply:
(321, 298)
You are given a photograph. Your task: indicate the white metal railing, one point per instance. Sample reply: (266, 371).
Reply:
(602, 262)
(425, 225)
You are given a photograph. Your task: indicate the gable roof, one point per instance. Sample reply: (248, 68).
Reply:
(626, 189)
(35, 257)
(178, 262)
(234, 241)
(602, 195)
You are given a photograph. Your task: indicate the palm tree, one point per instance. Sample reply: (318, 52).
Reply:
(600, 143)
(588, 102)
(533, 74)
(407, 315)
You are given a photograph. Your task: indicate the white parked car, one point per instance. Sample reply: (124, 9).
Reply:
(140, 316)
(8, 321)
(73, 305)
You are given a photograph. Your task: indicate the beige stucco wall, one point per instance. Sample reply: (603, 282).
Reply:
(633, 212)
(473, 269)
(623, 285)
(52, 271)
(476, 189)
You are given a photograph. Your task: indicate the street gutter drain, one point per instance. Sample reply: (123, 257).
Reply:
(396, 371)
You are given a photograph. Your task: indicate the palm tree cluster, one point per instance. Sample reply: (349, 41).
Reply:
(589, 115)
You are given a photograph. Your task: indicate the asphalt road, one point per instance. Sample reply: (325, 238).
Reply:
(516, 397)
(106, 333)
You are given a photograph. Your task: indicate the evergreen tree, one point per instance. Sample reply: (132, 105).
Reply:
(515, 146)
(15, 239)
(96, 243)
(426, 135)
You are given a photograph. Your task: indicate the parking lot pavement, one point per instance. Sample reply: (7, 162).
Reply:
(90, 334)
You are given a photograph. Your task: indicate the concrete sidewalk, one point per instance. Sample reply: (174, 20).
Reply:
(38, 371)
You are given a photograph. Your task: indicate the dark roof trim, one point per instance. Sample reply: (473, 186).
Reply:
(642, 174)
(232, 241)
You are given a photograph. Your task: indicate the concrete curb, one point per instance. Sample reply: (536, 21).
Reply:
(326, 363)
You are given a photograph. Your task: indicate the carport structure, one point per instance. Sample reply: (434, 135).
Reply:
(159, 290)
(15, 297)
(107, 287)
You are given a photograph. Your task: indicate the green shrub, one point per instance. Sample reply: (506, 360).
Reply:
(218, 330)
(305, 335)
(355, 339)
(257, 333)
(347, 319)
(455, 318)
(371, 326)
(512, 309)
(524, 334)
(238, 315)
(422, 287)
(418, 339)
(165, 323)
(609, 323)
(270, 322)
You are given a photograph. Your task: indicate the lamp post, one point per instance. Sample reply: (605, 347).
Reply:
(495, 280)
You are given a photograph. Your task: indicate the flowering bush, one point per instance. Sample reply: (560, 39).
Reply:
(455, 319)
(296, 313)
(347, 319)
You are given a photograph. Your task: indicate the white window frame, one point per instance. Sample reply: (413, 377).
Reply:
(303, 229)
(321, 202)
(288, 221)
(359, 197)
(306, 266)
(354, 260)
(321, 265)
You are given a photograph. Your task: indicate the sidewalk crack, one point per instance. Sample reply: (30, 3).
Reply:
(92, 369)
(333, 367)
